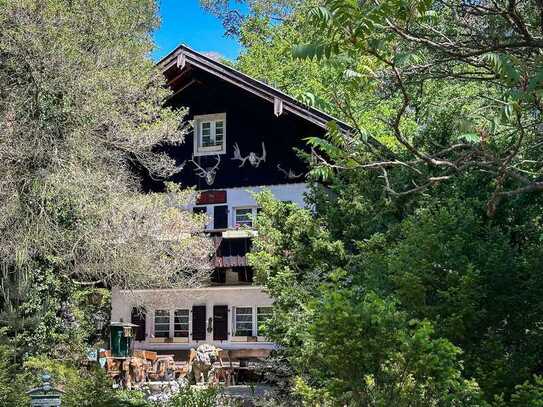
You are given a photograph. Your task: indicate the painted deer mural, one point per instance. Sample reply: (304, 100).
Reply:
(289, 174)
(254, 159)
(209, 173)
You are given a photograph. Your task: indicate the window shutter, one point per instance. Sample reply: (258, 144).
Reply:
(220, 217)
(233, 316)
(199, 322)
(220, 323)
(138, 318)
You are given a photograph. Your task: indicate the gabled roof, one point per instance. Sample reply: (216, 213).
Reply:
(183, 56)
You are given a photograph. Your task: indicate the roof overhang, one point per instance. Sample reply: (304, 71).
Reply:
(183, 57)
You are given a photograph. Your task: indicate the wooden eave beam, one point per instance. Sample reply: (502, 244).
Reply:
(184, 56)
(228, 77)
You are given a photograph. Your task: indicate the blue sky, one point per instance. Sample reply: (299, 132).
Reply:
(184, 21)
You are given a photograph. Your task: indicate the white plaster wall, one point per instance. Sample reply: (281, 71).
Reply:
(243, 197)
(235, 296)
(232, 296)
(288, 192)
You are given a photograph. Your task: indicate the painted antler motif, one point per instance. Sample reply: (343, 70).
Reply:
(290, 174)
(237, 155)
(254, 160)
(209, 173)
(180, 167)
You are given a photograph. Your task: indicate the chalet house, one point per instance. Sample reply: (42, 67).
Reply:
(244, 138)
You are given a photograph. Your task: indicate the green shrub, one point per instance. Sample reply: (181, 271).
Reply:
(82, 387)
(12, 392)
(191, 397)
(528, 394)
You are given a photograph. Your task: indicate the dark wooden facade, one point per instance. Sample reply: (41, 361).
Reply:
(257, 117)
(250, 121)
(255, 113)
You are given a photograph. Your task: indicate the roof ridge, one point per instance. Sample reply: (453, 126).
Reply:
(209, 63)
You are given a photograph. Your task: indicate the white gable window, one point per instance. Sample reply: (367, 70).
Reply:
(210, 134)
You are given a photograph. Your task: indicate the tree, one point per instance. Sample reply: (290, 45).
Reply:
(346, 343)
(424, 47)
(81, 117)
(235, 14)
(11, 391)
(448, 250)
(365, 352)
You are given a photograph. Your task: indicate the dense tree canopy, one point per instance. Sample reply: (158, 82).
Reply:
(81, 115)
(432, 203)
(414, 279)
(485, 54)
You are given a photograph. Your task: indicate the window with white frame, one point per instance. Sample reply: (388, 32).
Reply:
(181, 323)
(244, 216)
(210, 134)
(243, 321)
(162, 323)
(262, 315)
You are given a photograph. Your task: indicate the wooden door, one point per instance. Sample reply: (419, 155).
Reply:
(199, 323)
(220, 323)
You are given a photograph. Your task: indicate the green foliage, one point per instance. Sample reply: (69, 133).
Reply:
(469, 276)
(447, 122)
(12, 390)
(191, 397)
(440, 258)
(92, 308)
(50, 315)
(82, 386)
(345, 343)
(236, 16)
(82, 112)
(529, 394)
(366, 352)
(419, 60)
